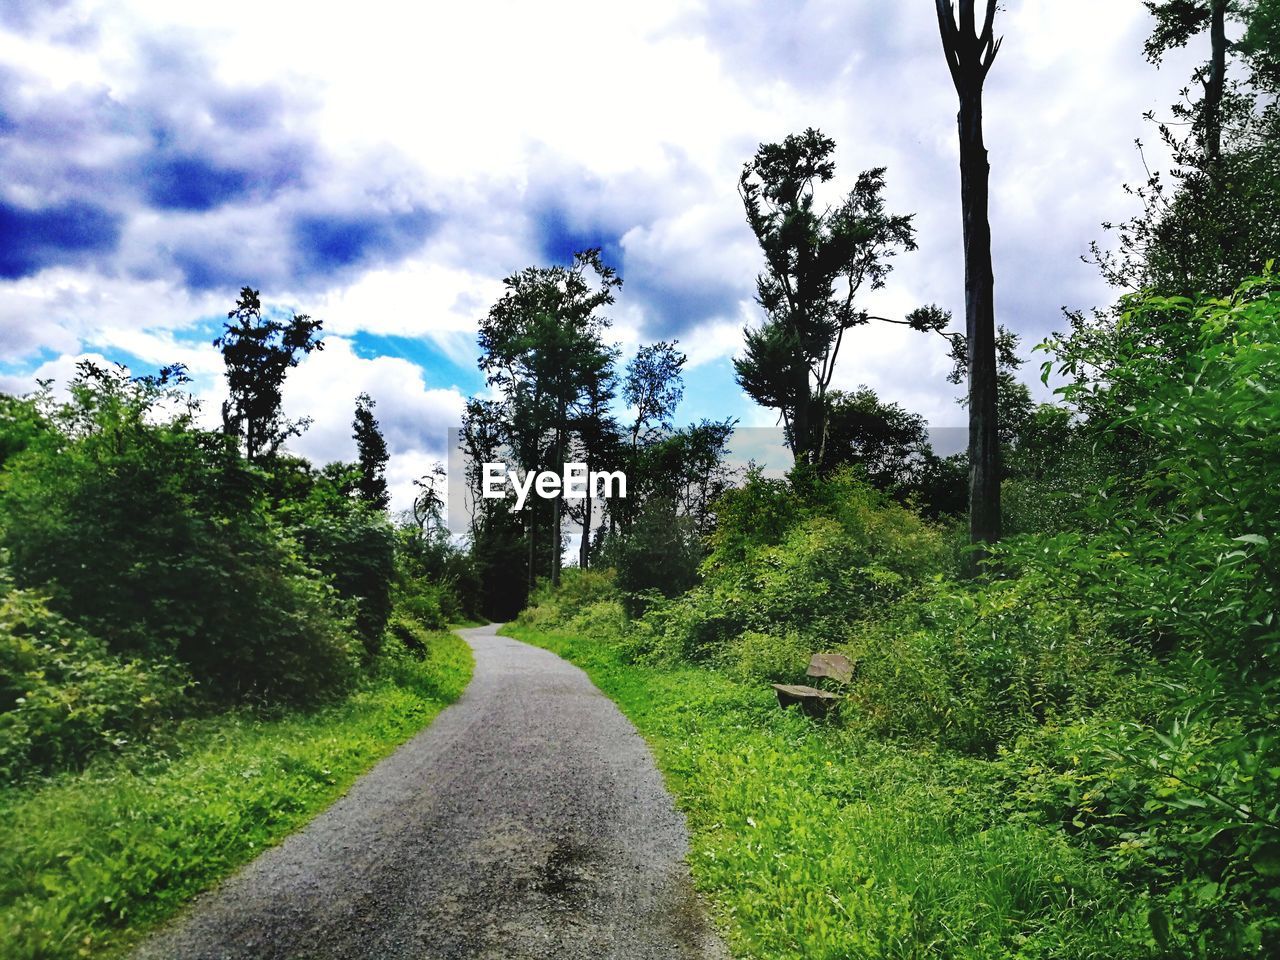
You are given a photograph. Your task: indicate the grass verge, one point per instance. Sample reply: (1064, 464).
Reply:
(90, 861)
(814, 843)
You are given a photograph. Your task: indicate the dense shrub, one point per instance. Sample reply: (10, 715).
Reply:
(20, 424)
(423, 603)
(63, 696)
(808, 560)
(351, 545)
(1058, 463)
(658, 554)
(435, 573)
(765, 656)
(152, 535)
(578, 590)
(1180, 556)
(1186, 814)
(408, 632)
(974, 666)
(1188, 555)
(354, 547)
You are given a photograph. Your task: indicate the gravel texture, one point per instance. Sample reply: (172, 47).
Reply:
(528, 821)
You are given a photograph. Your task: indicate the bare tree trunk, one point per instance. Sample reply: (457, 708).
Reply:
(555, 515)
(969, 57)
(584, 548)
(980, 326)
(802, 446)
(1216, 83)
(532, 527)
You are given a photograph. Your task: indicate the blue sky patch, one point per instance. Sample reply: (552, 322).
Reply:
(334, 241)
(31, 240)
(559, 239)
(188, 182)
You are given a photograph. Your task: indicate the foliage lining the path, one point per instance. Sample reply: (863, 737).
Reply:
(815, 842)
(90, 859)
(1112, 674)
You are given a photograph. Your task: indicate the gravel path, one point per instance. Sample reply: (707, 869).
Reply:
(528, 821)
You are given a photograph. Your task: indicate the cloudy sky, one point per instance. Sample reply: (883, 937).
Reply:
(383, 165)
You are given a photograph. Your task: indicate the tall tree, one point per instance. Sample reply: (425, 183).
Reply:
(259, 352)
(499, 538)
(678, 477)
(371, 454)
(970, 53)
(654, 387)
(1215, 219)
(688, 470)
(1013, 399)
(817, 260)
(598, 440)
(481, 441)
(541, 346)
(1260, 45)
(1177, 21)
(887, 443)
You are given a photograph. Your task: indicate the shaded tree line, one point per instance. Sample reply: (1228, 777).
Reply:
(546, 354)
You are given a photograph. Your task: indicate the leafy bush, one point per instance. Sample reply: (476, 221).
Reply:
(423, 604)
(766, 657)
(63, 696)
(1053, 470)
(20, 424)
(659, 554)
(1179, 556)
(354, 548)
(153, 535)
(409, 655)
(578, 589)
(1189, 554)
(429, 563)
(350, 544)
(407, 633)
(588, 602)
(974, 666)
(1187, 813)
(810, 561)
(602, 618)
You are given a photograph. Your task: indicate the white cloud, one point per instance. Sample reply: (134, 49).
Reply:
(420, 298)
(415, 418)
(61, 370)
(630, 119)
(712, 341)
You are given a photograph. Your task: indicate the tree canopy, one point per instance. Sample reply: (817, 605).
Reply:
(817, 260)
(259, 351)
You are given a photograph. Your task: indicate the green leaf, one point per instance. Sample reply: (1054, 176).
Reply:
(1159, 927)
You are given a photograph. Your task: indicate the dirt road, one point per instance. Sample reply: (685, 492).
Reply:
(528, 821)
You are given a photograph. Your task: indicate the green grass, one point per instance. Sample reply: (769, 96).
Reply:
(814, 843)
(90, 861)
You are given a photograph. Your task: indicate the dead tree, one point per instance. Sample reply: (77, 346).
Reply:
(970, 54)
(1215, 83)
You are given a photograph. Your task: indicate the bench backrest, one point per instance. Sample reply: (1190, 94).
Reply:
(834, 665)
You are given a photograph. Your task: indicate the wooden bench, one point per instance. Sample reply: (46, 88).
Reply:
(812, 700)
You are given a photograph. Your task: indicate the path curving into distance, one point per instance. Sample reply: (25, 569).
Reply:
(528, 821)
